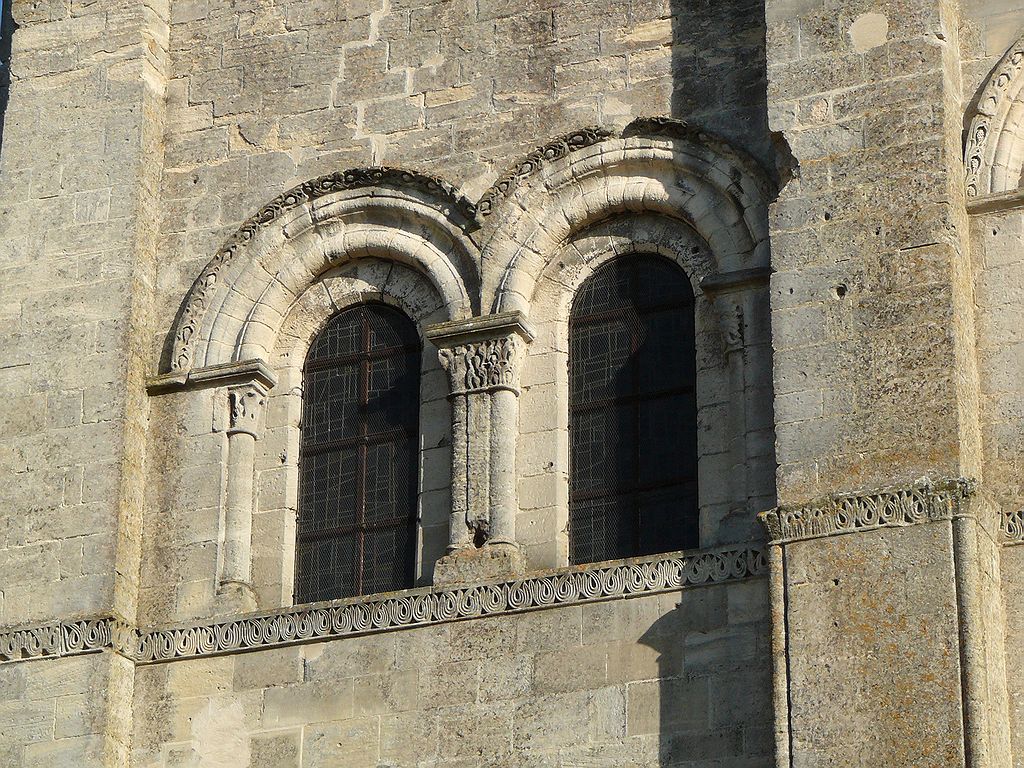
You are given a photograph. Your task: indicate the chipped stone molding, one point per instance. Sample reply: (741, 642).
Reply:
(535, 160)
(996, 203)
(989, 161)
(235, 374)
(360, 616)
(1011, 527)
(892, 507)
(649, 127)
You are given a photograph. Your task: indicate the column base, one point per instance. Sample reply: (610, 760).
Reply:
(236, 597)
(497, 561)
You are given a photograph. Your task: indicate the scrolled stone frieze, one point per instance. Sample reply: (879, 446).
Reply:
(892, 507)
(553, 150)
(1011, 527)
(205, 285)
(988, 106)
(325, 621)
(352, 617)
(66, 638)
(483, 366)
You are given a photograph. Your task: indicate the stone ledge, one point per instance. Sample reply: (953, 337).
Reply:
(221, 375)
(368, 615)
(923, 502)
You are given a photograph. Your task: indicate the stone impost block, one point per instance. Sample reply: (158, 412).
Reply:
(469, 565)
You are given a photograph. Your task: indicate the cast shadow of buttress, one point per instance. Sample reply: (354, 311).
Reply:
(714, 683)
(7, 30)
(714, 701)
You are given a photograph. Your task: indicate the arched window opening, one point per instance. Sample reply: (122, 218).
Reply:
(632, 412)
(359, 458)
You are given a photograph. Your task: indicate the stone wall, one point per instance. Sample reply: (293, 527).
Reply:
(655, 680)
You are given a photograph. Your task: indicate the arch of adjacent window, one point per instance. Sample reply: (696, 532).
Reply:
(732, 377)
(278, 535)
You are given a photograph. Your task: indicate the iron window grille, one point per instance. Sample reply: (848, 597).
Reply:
(359, 457)
(633, 412)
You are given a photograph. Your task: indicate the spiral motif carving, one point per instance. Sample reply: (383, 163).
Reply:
(891, 507)
(326, 621)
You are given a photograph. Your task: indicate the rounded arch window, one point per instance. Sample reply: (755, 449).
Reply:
(359, 456)
(632, 412)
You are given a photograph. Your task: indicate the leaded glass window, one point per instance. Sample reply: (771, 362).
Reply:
(633, 412)
(359, 459)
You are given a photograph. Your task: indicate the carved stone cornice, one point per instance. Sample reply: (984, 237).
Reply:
(892, 507)
(535, 160)
(354, 178)
(68, 638)
(413, 608)
(482, 354)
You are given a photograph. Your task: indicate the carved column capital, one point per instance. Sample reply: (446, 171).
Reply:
(482, 354)
(245, 403)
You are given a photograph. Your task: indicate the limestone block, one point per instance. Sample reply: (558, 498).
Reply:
(265, 669)
(474, 730)
(578, 669)
(407, 738)
(202, 677)
(349, 744)
(507, 677)
(447, 684)
(276, 749)
(310, 703)
(385, 693)
(654, 706)
(557, 629)
(546, 723)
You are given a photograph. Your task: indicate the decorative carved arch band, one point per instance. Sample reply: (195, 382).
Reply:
(680, 173)
(994, 146)
(240, 298)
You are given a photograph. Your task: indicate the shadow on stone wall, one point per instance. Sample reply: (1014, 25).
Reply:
(719, 70)
(714, 697)
(714, 686)
(7, 29)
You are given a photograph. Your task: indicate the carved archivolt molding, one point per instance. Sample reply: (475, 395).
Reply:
(325, 621)
(555, 149)
(892, 507)
(660, 165)
(424, 192)
(993, 156)
(681, 174)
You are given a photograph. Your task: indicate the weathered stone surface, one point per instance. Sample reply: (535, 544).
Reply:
(844, 197)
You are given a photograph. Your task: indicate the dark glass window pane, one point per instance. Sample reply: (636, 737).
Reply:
(633, 414)
(358, 462)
